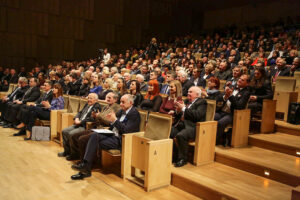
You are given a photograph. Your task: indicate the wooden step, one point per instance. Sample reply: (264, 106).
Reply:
(280, 142)
(273, 165)
(218, 181)
(284, 127)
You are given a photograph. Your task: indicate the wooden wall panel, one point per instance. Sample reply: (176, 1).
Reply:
(3, 19)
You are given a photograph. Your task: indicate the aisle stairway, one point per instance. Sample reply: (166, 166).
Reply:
(269, 168)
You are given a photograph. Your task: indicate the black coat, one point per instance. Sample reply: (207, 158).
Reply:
(263, 92)
(44, 97)
(130, 124)
(32, 95)
(195, 113)
(88, 118)
(186, 86)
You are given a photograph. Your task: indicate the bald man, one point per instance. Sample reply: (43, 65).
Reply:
(127, 120)
(190, 112)
(80, 120)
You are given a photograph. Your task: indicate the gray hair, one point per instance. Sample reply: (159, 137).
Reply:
(183, 73)
(23, 80)
(140, 76)
(129, 97)
(94, 95)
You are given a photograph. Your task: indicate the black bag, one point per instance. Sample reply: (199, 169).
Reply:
(294, 113)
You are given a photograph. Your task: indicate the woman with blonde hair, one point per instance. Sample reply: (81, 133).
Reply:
(168, 104)
(107, 85)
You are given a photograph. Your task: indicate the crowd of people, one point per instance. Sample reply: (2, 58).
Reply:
(185, 71)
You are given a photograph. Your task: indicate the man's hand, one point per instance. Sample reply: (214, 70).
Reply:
(228, 92)
(46, 104)
(179, 105)
(111, 117)
(253, 98)
(77, 121)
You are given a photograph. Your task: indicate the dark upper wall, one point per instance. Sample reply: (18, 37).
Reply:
(48, 31)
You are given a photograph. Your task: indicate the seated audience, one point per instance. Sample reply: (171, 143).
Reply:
(224, 72)
(165, 89)
(212, 92)
(84, 88)
(43, 112)
(186, 84)
(260, 89)
(152, 100)
(31, 95)
(168, 104)
(135, 92)
(125, 121)
(106, 88)
(191, 111)
(233, 98)
(95, 84)
(209, 68)
(79, 125)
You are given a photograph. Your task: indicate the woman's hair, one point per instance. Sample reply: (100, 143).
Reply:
(155, 91)
(110, 82)
(138, 89)
(178, 88)
(123, 89)
(59, 88)
(257, 83)
(216, 81)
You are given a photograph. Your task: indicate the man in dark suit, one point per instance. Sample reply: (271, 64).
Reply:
(125, 121)
(190, 112)
(186, 84)
(25, 109)
(31, 95)
(280, 69)
(79, 125)
(74, 85)
(165, 89)
(17, 94)
(224, 72)
(233, 99)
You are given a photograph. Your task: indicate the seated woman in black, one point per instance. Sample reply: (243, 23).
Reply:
(106, 88)
(84, 88)
(43, 113)
(135, 92)
(260, 89)
(212, 92)
(152, 100)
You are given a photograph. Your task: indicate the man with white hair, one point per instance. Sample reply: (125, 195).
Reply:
(127, 78)
(189, 113)
(80, 120)
(127, 120)
(186, 84)
(143, 86)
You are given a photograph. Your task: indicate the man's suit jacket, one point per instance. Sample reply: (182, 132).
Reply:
(224, 75)
(73, 88)
(31, 95)
(202, 81)
(14, 79)
(195, 113)
(163, 89)
(88, 117)
(101, 118)
(186, 86)
(45, 97)
(238, 102)
(284, 72)
(18, 95)
(130, 124)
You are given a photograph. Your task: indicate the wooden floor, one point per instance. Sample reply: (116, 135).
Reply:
(32, 170)
(229, 183)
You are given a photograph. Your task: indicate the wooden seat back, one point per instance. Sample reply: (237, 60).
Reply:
(133, 77)
(10, 88)
(285, 84)
(143, 115)
(82, 103)
(74, 103)
(210, 110)
(222, 85)
(297, 77)
(102, 103)
(158, 126)
(66, 99)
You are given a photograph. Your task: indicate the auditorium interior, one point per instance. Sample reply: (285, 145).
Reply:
(152, 99)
